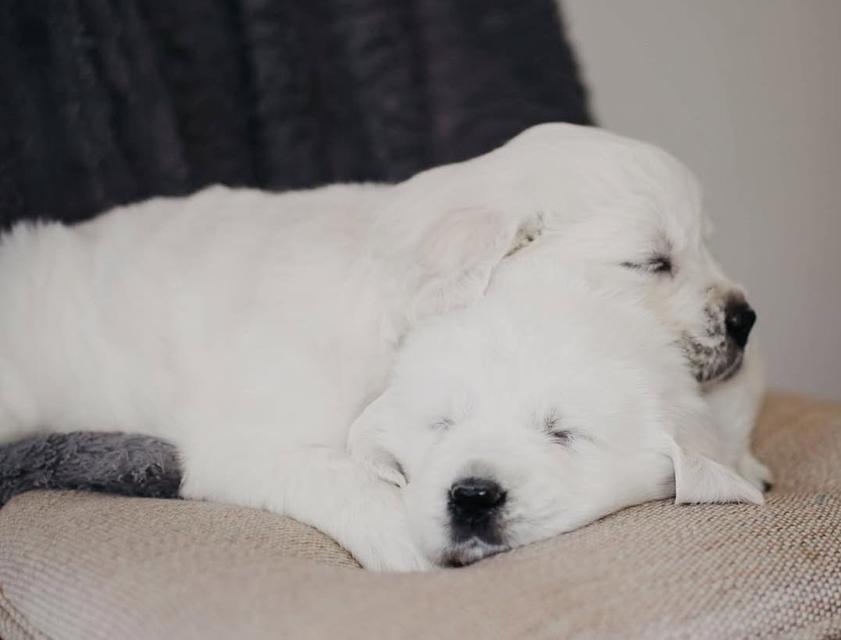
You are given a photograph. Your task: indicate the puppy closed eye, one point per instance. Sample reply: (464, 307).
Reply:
(562, 436)
(555, 430)
(659, 264)
(442, 424)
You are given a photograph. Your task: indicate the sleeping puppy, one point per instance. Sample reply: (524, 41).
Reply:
(537, 410)
(251, 329)
(630, 216)
(247, 328)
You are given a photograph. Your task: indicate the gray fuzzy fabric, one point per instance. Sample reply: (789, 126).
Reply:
(121, 463)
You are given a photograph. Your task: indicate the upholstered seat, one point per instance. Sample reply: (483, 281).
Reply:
(90, 566)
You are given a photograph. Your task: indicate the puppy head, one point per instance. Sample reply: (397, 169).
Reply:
(621, 205)
(631, 209)
(529, 415)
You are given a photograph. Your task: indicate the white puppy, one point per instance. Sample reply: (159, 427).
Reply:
(539, 409)
(631, 216)
(251, 329)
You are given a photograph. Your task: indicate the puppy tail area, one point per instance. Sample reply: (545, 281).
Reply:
(119, 463)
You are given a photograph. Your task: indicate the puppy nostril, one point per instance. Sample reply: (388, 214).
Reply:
(476, 495)
(739, 319)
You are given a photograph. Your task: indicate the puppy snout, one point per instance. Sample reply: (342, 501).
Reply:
(474, 504)
(473, 497)
(739, 319)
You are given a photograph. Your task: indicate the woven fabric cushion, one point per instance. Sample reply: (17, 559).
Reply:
(91, 566)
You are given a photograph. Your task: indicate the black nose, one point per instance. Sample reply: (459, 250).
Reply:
(472, 500)
(739, 319)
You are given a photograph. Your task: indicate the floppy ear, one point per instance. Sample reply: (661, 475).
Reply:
(699, 478)
(458, 253)
(366, 442)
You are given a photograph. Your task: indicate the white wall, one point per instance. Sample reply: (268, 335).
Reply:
(748, 94)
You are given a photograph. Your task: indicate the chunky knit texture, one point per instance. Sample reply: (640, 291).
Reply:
(103, 103)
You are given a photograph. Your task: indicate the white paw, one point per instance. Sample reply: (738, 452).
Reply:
(386, 543)
(392, 555)
(755, 472)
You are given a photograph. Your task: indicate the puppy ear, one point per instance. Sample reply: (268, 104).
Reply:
(458, 252)
(366, 442)
(699, 478)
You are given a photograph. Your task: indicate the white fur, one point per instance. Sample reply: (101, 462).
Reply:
(604, 202)
(476, 393)
(251, 329)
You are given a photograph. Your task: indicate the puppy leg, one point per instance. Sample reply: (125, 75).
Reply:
(735, 404)
(320, 486)
(755, 472)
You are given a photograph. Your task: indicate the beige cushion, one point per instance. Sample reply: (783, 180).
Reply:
(90, 566)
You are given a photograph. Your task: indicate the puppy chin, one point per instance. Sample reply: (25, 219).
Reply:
(723, 372)
(712, 365)
(469, 551)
